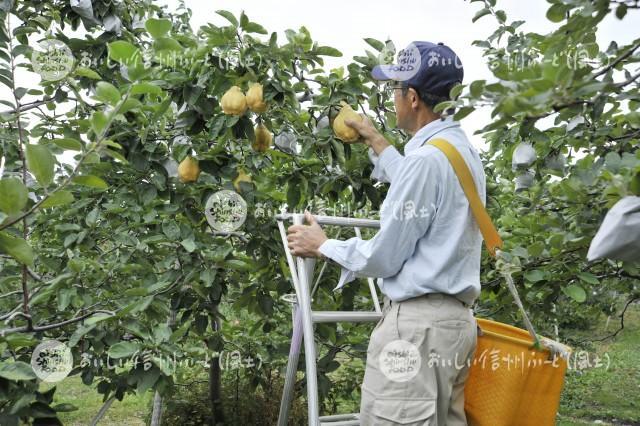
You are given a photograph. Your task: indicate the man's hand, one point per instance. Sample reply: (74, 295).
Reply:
(370, 135)
(304, 240)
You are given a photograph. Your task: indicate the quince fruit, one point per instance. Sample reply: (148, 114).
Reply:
(263, 138)
(188, 170)
(242, 177)
(254, 98)
(234, 102)
(342, 131)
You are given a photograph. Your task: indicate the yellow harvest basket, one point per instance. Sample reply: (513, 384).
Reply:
(510, 382)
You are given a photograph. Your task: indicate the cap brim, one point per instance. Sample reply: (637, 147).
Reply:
(385, 72)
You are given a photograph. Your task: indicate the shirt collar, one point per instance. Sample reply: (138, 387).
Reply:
(429, 130)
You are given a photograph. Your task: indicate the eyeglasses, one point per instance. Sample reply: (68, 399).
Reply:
(390, 87)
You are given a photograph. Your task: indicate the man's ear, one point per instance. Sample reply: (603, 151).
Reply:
(415, 99)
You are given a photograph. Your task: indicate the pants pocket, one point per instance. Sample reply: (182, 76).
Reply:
(410, 412)
(410, 328)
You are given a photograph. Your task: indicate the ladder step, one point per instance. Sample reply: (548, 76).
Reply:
(339, 316)
(341, 420)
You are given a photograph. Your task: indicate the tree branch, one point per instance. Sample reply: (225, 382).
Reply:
(629, 302)
(37, 328)
(617, 61)
(67, 181)
(628, 81)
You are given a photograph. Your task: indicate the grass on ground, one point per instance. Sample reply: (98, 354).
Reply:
(607, 396)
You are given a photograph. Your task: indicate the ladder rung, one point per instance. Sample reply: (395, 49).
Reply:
(341, 420)
(349, 416)
(339, 316)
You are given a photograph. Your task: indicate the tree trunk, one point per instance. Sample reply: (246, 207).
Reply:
(102, 412)
(215, 374)
(156, 414)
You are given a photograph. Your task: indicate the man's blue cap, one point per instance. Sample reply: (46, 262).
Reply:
(428, 67)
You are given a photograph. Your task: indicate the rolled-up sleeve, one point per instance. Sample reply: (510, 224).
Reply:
(405, 217)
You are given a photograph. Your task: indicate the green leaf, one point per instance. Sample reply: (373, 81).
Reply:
(534, 275)
(89, 73)
(69, 143)
(161, 333)
(100, 316)
(293, 195)
(167, 44)
(98, 122)
(40, 162)
(65, 407)
(184, 328)
(148, 379)
(634, 185)
(501, 15)
(456, 90)
(228, 16)
(13, 195)
(536, 249)
(129, 104)
(244, 19)
(17, 370)
(58, 198)
(443, 106)
(557, 12)
(575, 292)
(621, 10)
(20, 340)
(588, 277)
(188, 244)
(612, 161)
(157, 27)
(376, 44)
(144, 88)
(123, 52)
(463, 112)
(252, 27)
(238, 265)
(123, 349)
(479, 14)
(90, 181)
(327, 51)
(171, 229)
(476, 88)
(107, 93)
(79, 333)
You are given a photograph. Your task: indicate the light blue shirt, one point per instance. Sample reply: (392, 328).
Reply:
(428, 239)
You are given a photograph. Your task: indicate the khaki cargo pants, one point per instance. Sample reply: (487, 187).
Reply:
(417, 363)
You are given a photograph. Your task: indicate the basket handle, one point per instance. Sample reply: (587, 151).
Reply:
(516, 297)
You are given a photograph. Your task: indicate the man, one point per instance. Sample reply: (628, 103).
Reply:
(427, 252)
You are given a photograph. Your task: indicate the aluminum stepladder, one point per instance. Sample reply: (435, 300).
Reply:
(304, 318)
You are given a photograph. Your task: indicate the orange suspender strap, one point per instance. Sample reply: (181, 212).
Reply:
(489, 233)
